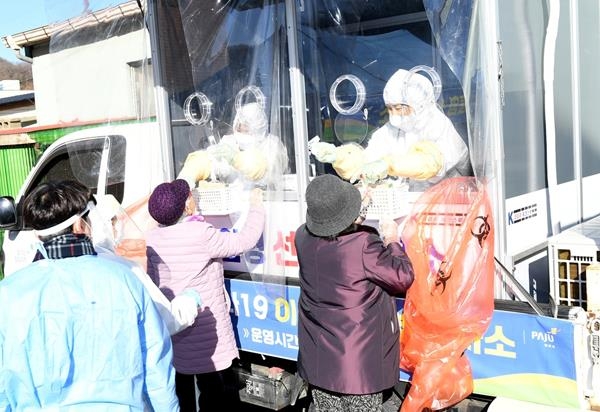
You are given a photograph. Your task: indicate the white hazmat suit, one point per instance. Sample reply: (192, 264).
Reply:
(177, 314)
(422, 146)
(251, 152)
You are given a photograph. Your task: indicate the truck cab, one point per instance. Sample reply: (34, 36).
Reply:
(118, 160)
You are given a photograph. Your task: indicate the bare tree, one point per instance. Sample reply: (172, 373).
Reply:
(17, 71)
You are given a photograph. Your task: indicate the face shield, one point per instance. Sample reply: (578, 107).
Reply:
(250, 125)
(114, 230)
(41, 233)
(106, 227)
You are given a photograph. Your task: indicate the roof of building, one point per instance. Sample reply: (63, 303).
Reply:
(15, 139)
(42, 34)
(16, 98)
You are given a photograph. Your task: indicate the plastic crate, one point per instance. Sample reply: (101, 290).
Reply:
(217, 201)
(268, 392)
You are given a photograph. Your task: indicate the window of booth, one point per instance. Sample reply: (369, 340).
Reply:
(349, 52)
(234, 49)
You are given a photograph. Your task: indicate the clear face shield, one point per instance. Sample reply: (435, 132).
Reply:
(113, 230)
(106, 227)
(250, 125)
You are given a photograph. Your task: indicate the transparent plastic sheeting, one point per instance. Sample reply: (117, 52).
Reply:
(97, 73)
(231, 55)
(216, 56)
(98, 68)
(449, 237)
(450, 25)
(227, 95)
(456, 27)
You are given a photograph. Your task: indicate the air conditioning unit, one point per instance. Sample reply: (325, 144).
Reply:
(574, 261)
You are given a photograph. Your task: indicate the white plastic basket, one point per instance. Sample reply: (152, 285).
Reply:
(217, 201)
(390, 201)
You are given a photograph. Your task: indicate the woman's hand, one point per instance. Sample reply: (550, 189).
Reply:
(389, 231)
(256, 197)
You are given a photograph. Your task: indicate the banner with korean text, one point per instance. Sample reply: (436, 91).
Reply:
(520, 356)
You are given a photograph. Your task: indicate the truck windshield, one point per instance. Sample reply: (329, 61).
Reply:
(82, 161)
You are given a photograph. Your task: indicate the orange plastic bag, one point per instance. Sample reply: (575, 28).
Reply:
(449, 237)
(133, 223)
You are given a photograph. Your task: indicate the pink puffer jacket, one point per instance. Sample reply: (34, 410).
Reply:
(189, 255)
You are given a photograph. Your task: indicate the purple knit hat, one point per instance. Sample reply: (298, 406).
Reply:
(167, 201)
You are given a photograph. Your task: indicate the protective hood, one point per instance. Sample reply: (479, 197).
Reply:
(251, 119)
(410, 88)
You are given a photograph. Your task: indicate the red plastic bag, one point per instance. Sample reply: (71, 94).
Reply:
(449, 237)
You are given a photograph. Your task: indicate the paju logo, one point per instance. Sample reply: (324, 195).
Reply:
(546, 337)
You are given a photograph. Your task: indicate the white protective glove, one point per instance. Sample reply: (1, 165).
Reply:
(223, 171)
(222, 155)
(222, 152)
(197, 166)
(375, 171)
(184, 307)
(324, 152)
(349, 161)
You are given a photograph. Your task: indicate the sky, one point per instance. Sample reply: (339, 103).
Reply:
(18, 16)
(22, 15)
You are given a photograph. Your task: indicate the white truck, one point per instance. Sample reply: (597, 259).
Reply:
(517, 80)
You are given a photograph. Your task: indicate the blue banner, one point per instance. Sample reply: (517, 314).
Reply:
(266, 317)
(527, 357)
(520, 356)
(521, 343)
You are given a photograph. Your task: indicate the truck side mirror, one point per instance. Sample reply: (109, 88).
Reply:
(8, 212)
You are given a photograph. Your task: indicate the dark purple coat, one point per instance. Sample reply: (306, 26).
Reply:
(348, 327)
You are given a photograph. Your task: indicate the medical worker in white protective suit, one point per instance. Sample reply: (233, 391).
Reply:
(177, 314)
(251, 155)
(418, 142)
(79, 332)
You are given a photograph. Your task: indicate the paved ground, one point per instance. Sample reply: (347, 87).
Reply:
(392, 405)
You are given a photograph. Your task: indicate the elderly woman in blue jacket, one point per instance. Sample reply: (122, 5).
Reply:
(348, 327)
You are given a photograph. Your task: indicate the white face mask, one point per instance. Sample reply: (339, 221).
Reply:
(244, 140)
(404, 123)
